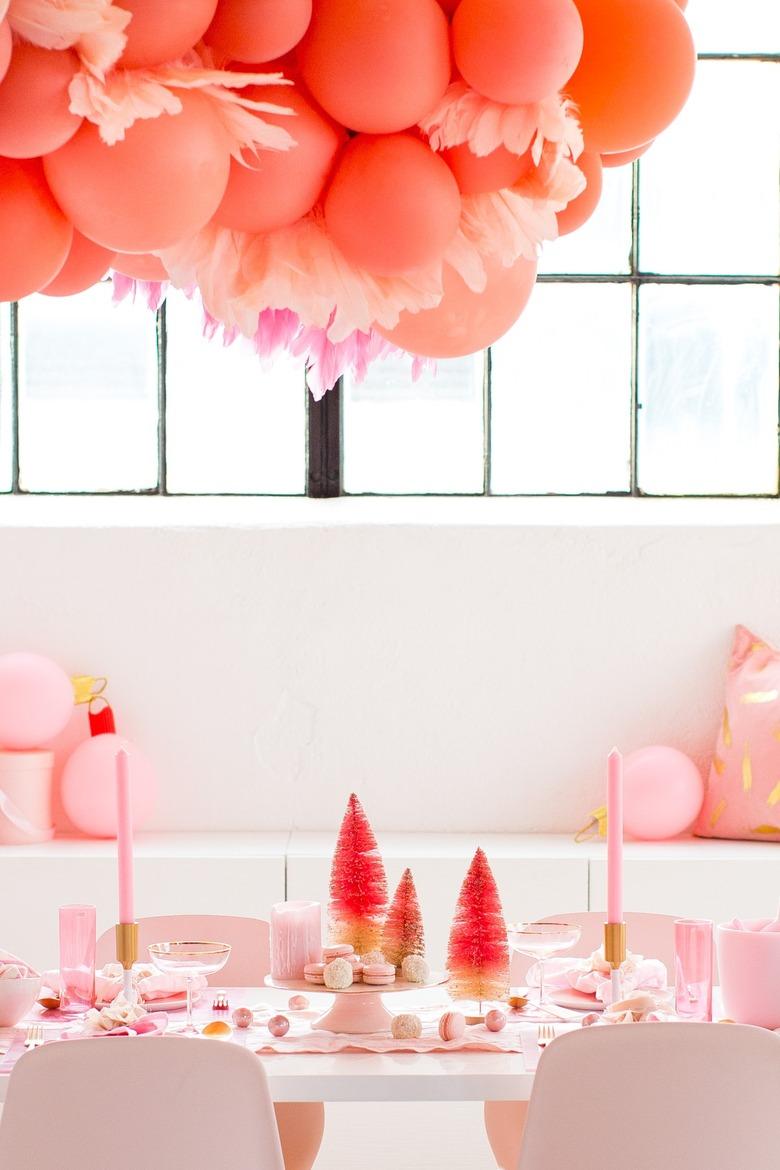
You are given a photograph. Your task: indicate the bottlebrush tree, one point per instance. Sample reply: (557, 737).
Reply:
(478, 952)
(403, 931)
(358, 886)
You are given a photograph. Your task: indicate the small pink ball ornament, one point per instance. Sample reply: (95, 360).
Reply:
(495, 1020)
(278, 1025)
(663, 793)
(36, 700)
(88, 785)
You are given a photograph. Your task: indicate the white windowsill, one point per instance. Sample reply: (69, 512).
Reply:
(385, 511)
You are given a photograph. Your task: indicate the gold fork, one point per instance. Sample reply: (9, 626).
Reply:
(34, 1037)
(546, 1035)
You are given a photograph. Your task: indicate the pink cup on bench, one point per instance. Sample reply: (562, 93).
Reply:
(749, 967)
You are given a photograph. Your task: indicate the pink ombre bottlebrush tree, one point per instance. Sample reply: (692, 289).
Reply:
(403, 931)
(358, 886)
(478, 952)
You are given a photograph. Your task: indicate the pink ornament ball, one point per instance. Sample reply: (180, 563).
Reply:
(88, 785)
(663, 793)
(242, 1017)
(298, 1003)
(495, 1020)
(36, 700)
(278, 1025)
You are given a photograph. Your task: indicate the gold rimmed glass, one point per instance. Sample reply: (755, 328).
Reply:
(540, 941)
(189, 959)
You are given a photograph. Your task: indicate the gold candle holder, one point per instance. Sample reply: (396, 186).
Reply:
(126, 944)
(615, 943)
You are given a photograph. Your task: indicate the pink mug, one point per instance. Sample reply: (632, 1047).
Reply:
(749, 967)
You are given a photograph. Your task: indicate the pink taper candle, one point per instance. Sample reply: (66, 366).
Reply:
(615, 837)
(124, 837)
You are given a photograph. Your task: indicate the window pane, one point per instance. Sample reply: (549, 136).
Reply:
(232, 426)
(87, 394)
(723, 26)
(561, 393)
(708, 187)
(425, 436)
(603, 244)
(6, 401)
(708, 389)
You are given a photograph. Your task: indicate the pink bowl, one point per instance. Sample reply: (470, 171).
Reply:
(749, 967)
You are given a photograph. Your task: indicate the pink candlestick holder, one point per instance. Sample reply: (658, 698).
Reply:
(693, 968)
(77, 958)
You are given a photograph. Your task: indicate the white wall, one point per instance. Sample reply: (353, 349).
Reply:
(463, 665)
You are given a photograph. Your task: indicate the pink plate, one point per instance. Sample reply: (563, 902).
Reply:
(578, 1001)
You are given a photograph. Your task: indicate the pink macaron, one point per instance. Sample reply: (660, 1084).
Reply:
(343, 951)
(314, 972)
(378, 973)
(452, 1025)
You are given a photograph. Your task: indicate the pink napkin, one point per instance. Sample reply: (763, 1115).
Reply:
(20, 969)
(148, 1025)
(592, 975)
(759, 925)
(151, 984)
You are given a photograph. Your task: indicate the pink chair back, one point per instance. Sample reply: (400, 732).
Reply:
(651, 935)
(655, 1097)
(250, 956)
(161, 1101)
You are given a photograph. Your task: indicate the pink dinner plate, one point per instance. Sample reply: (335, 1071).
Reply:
(578, 1001)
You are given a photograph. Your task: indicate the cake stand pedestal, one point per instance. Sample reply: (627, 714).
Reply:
(357, 1010)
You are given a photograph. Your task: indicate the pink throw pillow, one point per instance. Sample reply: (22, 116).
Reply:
(742, 800)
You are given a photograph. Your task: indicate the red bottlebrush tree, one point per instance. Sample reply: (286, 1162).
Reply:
(478, 952)
(403, 931)
(358, 886)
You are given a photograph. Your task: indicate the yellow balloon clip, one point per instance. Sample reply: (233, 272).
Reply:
(595, 826)
(86, 687)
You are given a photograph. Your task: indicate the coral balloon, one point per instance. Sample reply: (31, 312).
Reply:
(6, 47)
(140, 267)
(663, 793)
(88, 785)
(635, 74)
(35, 236)
(449, 6)
(279, 186)
(516, 51)
(465, 321)
(85, 265)
(258, 30)
(159, 33)
(376, 65)
(34, 101)
(36, 700)
(477, 174)
(624, 156)
(393, 205)
(163, 182)
(581, 209)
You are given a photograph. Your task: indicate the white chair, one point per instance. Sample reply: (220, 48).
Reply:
(655, 1097)
(651, 935)
(121, 1104)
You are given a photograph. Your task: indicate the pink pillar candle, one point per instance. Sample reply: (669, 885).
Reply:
(296, 938)
(124, 837)
(615, 837)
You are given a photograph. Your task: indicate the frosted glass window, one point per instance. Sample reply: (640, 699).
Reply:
(88, 399)
(233, 426)
(415, 437)
(708, 390)
(6, 401)
(603, 244)
(723, 26)
(708, 187)
(560, 393)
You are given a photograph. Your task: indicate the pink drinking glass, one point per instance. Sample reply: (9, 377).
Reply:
(77, 958)
(693, 968)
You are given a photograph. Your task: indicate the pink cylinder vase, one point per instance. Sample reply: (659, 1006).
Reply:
(77, 958)
(693, 968)
(26, 797)
(749, 971)
(296, 938)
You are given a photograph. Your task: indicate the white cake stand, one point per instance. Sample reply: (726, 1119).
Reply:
(357, 1010)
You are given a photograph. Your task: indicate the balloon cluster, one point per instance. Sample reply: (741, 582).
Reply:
(335, 177)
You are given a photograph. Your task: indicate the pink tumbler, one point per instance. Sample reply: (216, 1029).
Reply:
(693, 968)
(77, 958)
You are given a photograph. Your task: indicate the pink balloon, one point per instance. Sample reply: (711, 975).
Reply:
(88, 785)
(36, 700)
(663, 793)
(35, 115)
(6, 47)
(624, 157)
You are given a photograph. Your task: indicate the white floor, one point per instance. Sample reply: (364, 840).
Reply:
(412, 1136)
